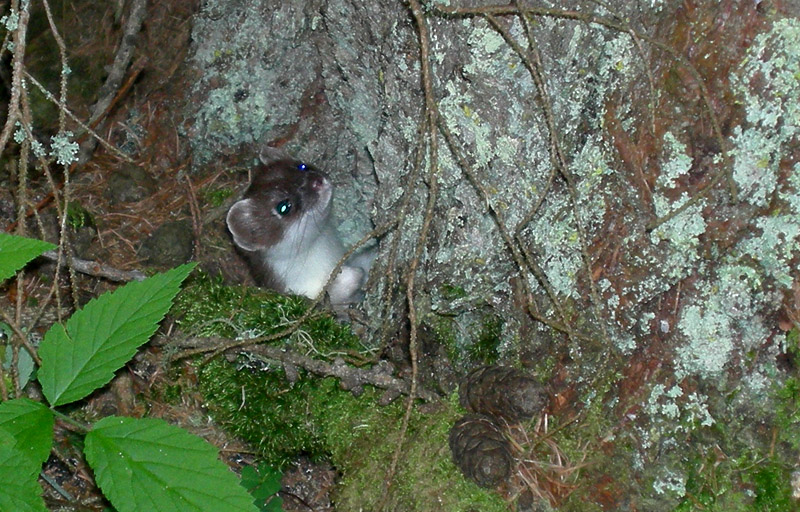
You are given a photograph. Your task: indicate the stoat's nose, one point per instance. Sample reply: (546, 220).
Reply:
(319, 183)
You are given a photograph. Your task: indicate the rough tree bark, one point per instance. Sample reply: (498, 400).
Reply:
(619, 190)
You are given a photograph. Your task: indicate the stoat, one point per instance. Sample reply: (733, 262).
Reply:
(283, 226)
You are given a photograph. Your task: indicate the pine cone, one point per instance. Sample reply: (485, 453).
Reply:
(480, 450)
(503, 392)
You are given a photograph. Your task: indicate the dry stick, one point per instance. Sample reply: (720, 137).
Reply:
(378, 375)
(391, 259)
(49, 96)
(63, 239)
(531, 262)
(62, 51)
(533, 62)
(26, 122)
(22, 166)
(725, 171)
(554, 148)
(95, 269)
(645, 61)
(54, 289)
(18, 68)
(194, 208)
(122, 60)
(22, 337)
(431, 116)
(18, 94)
(44, 166)
(13, 116)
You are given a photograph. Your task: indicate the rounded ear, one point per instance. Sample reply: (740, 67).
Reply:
(269, 154)
(244, 225)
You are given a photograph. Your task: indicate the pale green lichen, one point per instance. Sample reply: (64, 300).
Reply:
(682, 232)
(63, 149)
(232, 48)
(755, 169)
(724, 323)
(776, 246)
(677, 164)
(681, 412)
(670, 482)
(773, 109)
(618, 57)
(645, 319)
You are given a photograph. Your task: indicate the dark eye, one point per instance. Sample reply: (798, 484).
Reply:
(283, 208)
(302, 167)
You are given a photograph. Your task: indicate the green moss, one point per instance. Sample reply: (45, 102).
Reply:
(445, 329)
(787, 413)
(216, 197)
(206, 307)
(78, 216)
(484, 349)
(452, 292)
(264, 410)
(773, 491)
(736, 467)
(469, 345)
(317, 418)
(253, 400)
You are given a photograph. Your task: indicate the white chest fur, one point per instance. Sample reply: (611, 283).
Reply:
(304, 266)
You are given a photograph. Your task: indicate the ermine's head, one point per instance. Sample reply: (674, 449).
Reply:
(285, 208)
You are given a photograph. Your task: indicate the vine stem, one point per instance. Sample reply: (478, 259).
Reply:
(431, 115)
(725, 170)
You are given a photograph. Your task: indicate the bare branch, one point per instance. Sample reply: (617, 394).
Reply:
(121, 62)
(96, 269)
(379, 375)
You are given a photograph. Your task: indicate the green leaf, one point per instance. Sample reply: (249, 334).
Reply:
(147, 464)
(25, 365)
(30, 424)
(104, 335)
(263, 483)
(20, 490)
(16, 251)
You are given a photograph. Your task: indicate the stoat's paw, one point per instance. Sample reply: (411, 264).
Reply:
(346, 288)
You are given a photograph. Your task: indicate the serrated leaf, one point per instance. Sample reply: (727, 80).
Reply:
(104, 335)
(147, 464)
(20, 491)
(25, 366)
(16, 251)
(31, 426)
(263, 483)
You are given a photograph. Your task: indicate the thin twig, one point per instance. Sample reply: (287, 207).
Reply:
(533, 62)
(63, 239)
(49, 96)
(379, 375)
(62, 52)
(122, 60)
(402, 216)
(18, 68)
(23, 339)
(96, 269)
(499, 221)
(431, 117)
